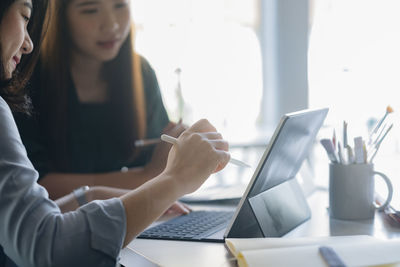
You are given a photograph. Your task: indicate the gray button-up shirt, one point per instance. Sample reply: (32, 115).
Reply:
(33, 231)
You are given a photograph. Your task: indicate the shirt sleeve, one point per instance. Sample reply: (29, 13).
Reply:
(33, 231)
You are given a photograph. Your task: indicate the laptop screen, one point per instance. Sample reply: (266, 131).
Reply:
(274, 203)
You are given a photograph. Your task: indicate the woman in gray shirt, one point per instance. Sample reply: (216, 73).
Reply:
(33, 231)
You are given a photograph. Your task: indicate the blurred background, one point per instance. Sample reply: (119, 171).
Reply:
(244, 63)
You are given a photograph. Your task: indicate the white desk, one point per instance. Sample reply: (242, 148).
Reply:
(197, 254)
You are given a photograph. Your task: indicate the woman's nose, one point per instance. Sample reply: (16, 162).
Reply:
(27, 46)
(110, 23)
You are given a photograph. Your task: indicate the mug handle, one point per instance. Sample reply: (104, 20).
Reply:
(390, 190)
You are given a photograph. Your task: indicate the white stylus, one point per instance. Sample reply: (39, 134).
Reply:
(173, 140)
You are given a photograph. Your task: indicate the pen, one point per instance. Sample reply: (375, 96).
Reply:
(328, 145)
(350, 154)
(358, 150)
(173, 140)
(147, 142)
(345, 144)
(340, 153)
(331, 257)
(155, 141)
(365, 152)
(334, 140)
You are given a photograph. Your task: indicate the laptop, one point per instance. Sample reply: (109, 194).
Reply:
(273, 203)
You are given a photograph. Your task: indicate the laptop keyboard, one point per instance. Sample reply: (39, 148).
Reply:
(191, 227)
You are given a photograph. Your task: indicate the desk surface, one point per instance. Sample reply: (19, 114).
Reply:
(145, 253)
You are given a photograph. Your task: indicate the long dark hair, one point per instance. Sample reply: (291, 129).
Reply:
(122, 74)
(12, 90)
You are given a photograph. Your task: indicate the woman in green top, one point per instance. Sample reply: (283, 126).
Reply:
(94, 96)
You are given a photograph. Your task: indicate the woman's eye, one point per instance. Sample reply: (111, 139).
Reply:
(89, 11)
(121, 5)
(26, 18)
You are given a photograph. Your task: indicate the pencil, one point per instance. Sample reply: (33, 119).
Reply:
(173, 140)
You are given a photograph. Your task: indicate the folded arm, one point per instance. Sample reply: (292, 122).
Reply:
(61, 184)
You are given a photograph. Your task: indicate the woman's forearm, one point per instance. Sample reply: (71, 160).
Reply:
(69, 202)
(147, 203)
(190, 162)
(61, 184)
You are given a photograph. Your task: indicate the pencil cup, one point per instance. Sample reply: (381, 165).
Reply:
(352, 189)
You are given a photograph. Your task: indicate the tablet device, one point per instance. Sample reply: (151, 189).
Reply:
(273, 203)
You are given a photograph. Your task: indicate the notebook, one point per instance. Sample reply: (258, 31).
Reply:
(306, 251)
(273, 203)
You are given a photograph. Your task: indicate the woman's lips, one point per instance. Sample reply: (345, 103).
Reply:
(16, 59)
(107, 44)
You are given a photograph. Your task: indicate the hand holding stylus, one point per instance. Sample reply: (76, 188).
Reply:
(173, 140)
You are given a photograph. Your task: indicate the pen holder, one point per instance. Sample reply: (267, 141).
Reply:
(352, 190)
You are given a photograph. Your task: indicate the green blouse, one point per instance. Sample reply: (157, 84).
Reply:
(92, 133)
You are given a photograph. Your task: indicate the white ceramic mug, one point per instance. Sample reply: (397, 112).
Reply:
(352, 190)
